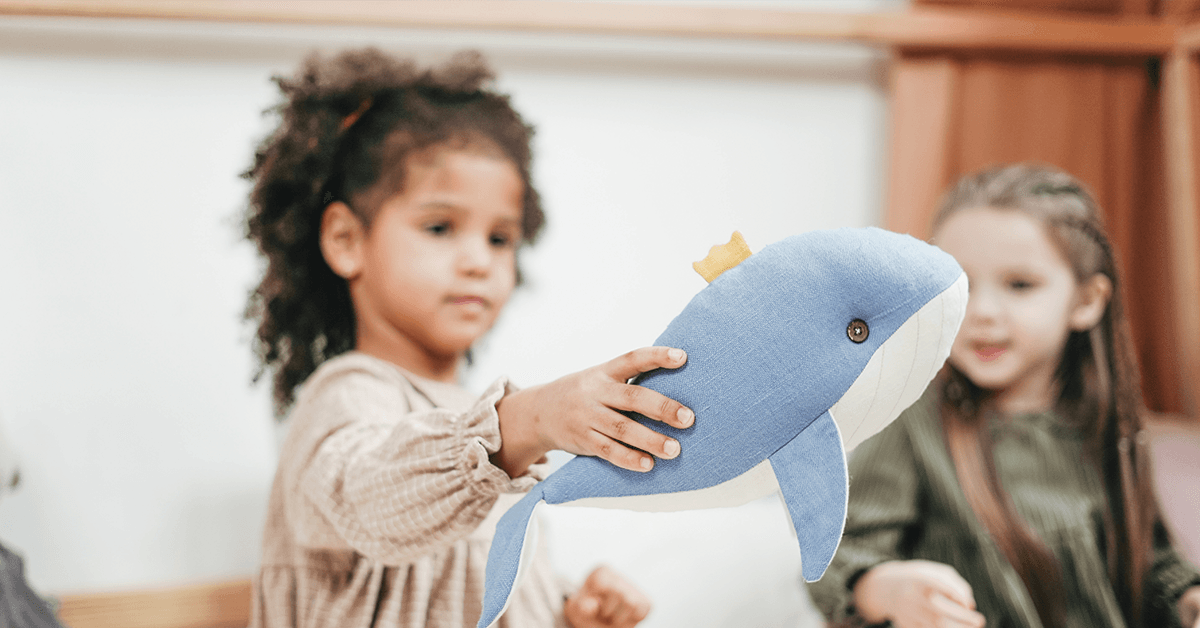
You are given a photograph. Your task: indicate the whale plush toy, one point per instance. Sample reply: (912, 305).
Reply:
(796, 354)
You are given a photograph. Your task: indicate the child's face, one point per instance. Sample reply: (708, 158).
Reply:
(1023, 297)
(439, 260)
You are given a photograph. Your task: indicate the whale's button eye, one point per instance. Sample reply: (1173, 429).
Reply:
(857, 330)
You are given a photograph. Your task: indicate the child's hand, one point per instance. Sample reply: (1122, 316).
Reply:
(606, 600)
(1189, 608)
(580, 414)
(916, 593)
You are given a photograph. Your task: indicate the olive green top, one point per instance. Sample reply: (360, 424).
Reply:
(906, 503)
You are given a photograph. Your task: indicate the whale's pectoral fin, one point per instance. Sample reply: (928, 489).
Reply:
(811, 470)
(510, 556)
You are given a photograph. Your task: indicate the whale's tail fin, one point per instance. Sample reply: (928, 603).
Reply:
(510, 555)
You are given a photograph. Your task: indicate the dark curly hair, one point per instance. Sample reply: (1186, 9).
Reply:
(347, 126)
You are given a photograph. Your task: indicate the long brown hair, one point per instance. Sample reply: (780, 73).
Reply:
(1099, 390)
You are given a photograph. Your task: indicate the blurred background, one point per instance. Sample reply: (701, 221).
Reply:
(145, 451)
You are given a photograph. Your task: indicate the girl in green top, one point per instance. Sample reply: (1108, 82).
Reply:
(1017, 491)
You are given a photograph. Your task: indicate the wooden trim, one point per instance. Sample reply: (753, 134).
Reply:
(923, 137)
(224, 604)
(1180, 9)
(1181, 79)
(1188, 38)
(924, 28)
(1137, 7)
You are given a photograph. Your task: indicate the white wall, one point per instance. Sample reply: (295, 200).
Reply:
(124, 374)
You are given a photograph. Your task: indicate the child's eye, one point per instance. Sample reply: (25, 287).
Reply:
(1021, 285)
(502, 240)
(438, 228)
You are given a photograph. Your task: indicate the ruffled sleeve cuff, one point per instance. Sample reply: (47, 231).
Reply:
(1171, 574)
(480, 427)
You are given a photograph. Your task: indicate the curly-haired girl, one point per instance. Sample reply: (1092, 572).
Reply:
(390, 204)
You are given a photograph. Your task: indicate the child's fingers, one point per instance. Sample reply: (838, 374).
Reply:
(950, 583)
(644, 401)
(625, 430)
(644, 359)
(942, 578)
(955, 612)
(604, 446)
(588, 605)
(649, 403)
(610, 605)
(630, 612)
(621, 604)
(631, 616)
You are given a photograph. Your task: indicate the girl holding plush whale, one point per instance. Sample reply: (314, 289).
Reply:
(390, 205)
(1017, 491)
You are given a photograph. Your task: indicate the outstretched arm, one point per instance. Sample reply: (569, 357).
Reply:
(363, 469)
(581, 414)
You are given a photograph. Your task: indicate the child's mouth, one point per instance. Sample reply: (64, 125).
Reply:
(988, 353)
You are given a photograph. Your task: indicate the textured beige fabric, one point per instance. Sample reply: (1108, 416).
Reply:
(384, 505)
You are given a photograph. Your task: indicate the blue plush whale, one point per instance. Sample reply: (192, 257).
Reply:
(796, 354)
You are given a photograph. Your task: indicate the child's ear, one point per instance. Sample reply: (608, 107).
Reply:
(1094, 295)
(342, 237)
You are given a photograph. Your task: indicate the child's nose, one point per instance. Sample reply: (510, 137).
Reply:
(475, 255)
(982, 304)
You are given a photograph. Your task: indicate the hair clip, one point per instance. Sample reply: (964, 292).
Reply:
(349, 120)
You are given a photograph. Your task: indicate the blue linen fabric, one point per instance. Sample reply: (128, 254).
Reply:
(768, 356)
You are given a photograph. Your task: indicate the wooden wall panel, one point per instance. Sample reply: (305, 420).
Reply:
(1142, 232)
(1093, 118)
(1181, 113)
(1130, 138)
(924, 104)
(1180, 10)
(1050, 112)
(1187, 38)
(964, 114)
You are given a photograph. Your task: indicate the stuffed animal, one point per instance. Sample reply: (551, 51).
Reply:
(796, 354)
